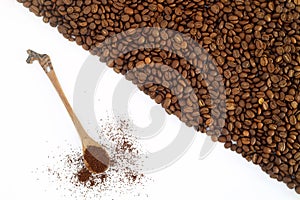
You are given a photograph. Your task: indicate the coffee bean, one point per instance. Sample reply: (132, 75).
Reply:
(147, 60)
(68, 2)
(246, 141)
(250, 114)
(155, 33)
(281, 146)
(142, 77)
(128, 11)
(140, 64)
(215, 9)
(94, 8)
(35, 10)
(297, 156)
(222, 139)
(220, 60)
(207, 40)
(167, 103)
(267, 150)
(287, 58)
(234, 79)
(230, 106)
(261, 101)
(293, 120)
(292, 162)
(158, 99)
(233, 18)
(264, 61)
(125, 18)
(297, 189)
(157, 59)
(245, 85)
(87, 10)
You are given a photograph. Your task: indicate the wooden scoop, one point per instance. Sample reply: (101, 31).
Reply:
(96, 157)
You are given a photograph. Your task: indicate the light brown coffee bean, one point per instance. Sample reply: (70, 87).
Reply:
(267, 150)
(259, 44)
(281, 146)
(250, 114)
(246, 141)
(68, 2)
(264, 61)
(215, 9)
(167, 103)
(293, 120)
(297, 156)
(128, 11)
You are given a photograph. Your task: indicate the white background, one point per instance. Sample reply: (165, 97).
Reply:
(34, 122)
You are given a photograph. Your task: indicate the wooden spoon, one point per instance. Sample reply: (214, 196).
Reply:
(96, 157)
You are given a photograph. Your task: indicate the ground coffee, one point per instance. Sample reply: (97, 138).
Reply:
(70, 176)
(94, 158)
(254, 44)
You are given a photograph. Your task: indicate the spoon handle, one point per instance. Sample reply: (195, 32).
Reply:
(46, 64)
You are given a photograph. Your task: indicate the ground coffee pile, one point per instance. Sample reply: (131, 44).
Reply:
(94, 159)
(254, 45)
(124, 177)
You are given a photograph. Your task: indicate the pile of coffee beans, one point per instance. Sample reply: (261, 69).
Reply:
(254, 45)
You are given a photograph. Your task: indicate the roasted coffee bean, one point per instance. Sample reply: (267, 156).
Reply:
(68, 2)
(298, 187)
(264, 61)
(128, 11)
(267, 150)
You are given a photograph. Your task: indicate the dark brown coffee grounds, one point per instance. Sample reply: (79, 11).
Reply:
(71, 177)
(94, 158)
(84, 175)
